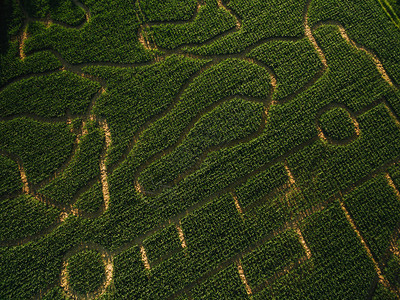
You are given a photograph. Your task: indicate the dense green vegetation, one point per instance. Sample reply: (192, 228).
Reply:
(85, 165)
(294, 63)
(24, 216)
(85, 271)
(48, 96)
(337, 124)
(10, 178)
(182, 141)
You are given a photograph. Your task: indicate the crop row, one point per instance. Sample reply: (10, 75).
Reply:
(367, 24)
(135, 95)
(259, 20)
(10, 178)
(375, 210)
(339, 266)
(91, 200)
(48, 95)
(294, 64)
(228, 78)
(337, 124)
(41, 146)
(210, 21)
(63, 11)
(83, 167)
(170, 10)
(97, 40)
(24, 216)
(225, 167)
(232, 120)
(323, 170)
(261, 184)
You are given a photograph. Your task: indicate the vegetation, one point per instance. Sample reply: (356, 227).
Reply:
(85, 271)
(337, 124)
(206, 149)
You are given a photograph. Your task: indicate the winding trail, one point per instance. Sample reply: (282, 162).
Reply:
(375, 59)
(107, 259)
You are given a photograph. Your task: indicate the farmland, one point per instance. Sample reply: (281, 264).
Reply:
(200, 149)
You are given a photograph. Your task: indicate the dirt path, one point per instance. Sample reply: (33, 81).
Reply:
(107, 260)
(103, 167)
(309, 35)
(303, 241)
(181, 235)
(375, 59)
(237, 204)
(23, 38)
(221, 5)
(243, 278)
(364, 244)
(145, 260)
(24, 179)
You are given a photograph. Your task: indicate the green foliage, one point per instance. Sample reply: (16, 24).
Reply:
(261, 184)
(259, 20)
(210, 21)
(294, 63)
(232, 120)
(367, 24)
(11, 66)
(84, 166)
(134, 95)
(162, 243)
(24, 216)
(383, 293)
(226, 284)
(274, 256)
(65, 11)
(96, 40)
(337, 124)
(48, 96)
(392, 271)
(375, 210)
(167, 10)
(85, 271)
(10, 178)
(41, 146)
(229, 77)
(54, 294)
(91, 200)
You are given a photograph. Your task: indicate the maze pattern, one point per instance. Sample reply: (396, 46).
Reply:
(197, 167)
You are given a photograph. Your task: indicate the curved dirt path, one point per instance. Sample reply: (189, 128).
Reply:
(107, 259)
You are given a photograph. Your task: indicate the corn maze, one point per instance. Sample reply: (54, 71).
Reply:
(200, 149)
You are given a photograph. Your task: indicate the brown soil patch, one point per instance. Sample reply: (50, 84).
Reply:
(237, 204)
(144, 258)
(303, 242)
(181, 236)
(375, 59)
(243, 278)
(24, 179)
(63, 216)
(103, 168)
(138, 187)
(321, 134)
(292, 181)
(23, 38)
